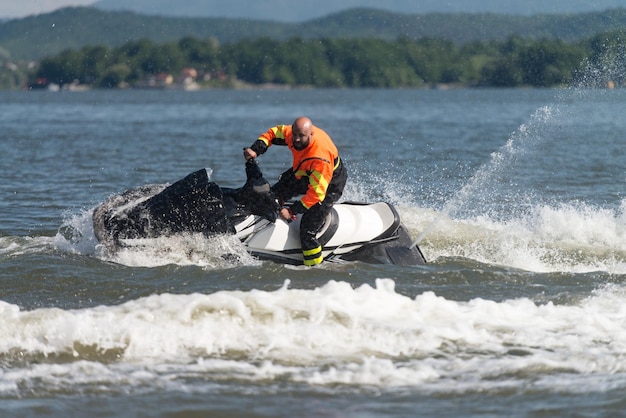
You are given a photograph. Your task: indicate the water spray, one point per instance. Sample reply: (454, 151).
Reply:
(500, 160)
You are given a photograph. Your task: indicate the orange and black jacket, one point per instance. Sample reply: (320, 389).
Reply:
(316, 162)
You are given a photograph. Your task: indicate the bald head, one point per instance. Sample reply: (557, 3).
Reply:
(302, 123)
(302, 131)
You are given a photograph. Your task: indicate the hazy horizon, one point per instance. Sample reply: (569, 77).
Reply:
(284, 10)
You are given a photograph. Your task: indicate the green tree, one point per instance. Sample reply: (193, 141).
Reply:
(115, 75)
(165, 58)
(94, 62)
(364, 62)
(201, 55)
(254, 60)
(503, 72)
(548, 63)
(62, 69)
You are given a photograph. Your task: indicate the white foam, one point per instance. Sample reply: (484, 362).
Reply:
(182, 249)
(565, 237)
(13, 246)
(334, 334)
(77, 236)
(570, 238)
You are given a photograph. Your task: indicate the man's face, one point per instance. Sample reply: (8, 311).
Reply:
(301, 137)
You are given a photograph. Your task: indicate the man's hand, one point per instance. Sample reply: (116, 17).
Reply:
(249, 154)
(287, 215)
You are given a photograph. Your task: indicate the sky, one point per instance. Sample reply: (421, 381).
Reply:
(21, 8)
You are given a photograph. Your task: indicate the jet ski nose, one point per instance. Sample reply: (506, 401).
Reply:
(404, 256)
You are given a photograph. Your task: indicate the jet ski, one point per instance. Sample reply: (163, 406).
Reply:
(353, 231)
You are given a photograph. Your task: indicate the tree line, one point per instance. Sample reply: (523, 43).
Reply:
(352, 63)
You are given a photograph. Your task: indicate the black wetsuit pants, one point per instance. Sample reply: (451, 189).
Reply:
(313, 219)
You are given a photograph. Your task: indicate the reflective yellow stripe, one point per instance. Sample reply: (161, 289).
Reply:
(314, 251)
(317, 182)
(313, 257)
(336, 163)
(278, 131)
(313, 262)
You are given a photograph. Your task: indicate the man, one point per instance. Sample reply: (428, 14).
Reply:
(317, 172)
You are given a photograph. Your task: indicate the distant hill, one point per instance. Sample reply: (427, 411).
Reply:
(34, 37)
(303, 10)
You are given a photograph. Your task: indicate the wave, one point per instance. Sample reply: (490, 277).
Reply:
(575, 238)
(327, 336)
(564, 238)
(76, 235)
(15, 246)
(489, 219)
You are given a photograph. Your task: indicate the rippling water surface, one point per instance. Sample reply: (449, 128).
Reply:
(517, 199)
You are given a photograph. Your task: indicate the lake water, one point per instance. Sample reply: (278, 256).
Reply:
(517, 199)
